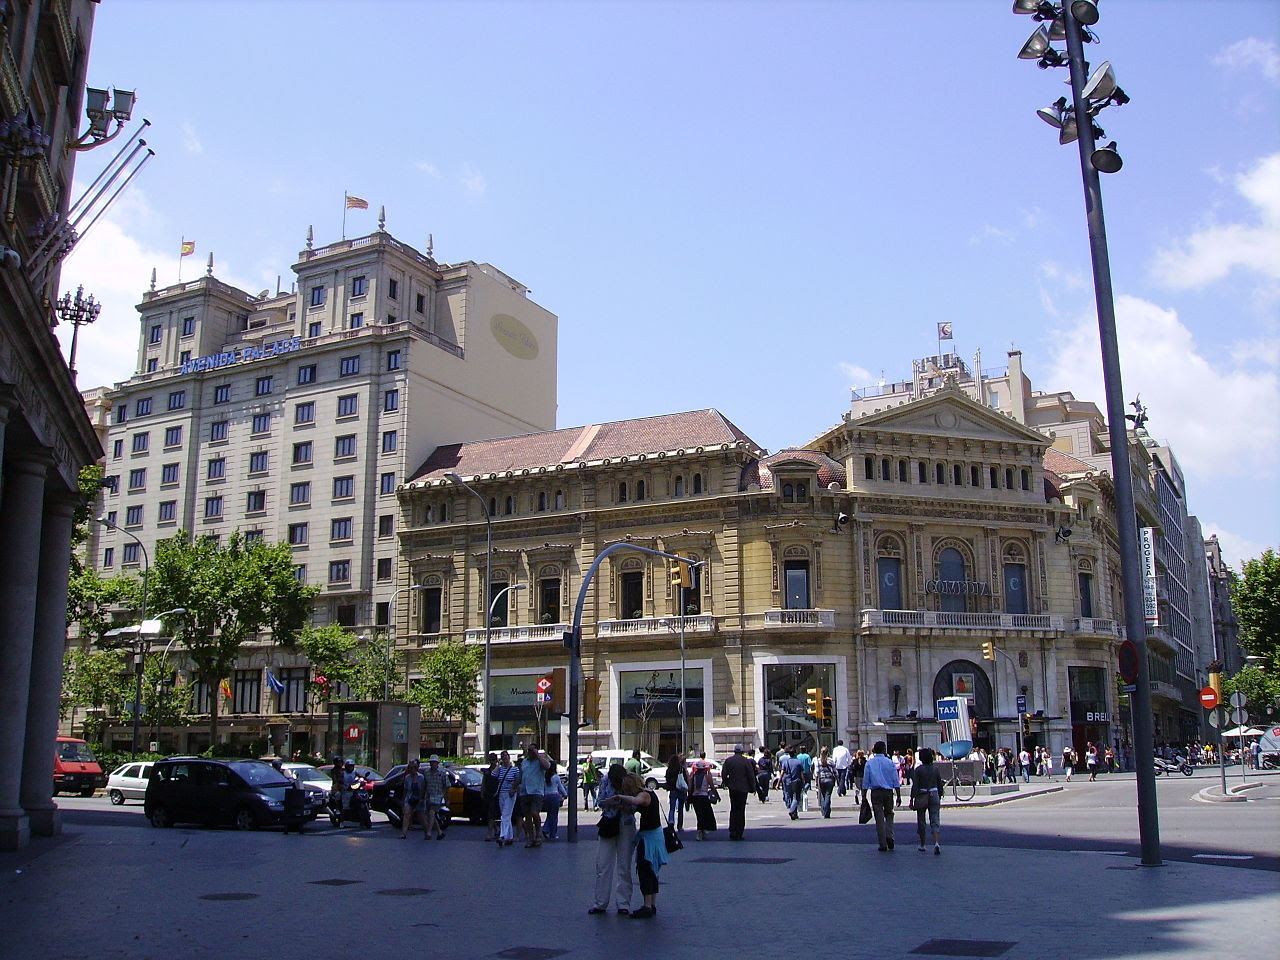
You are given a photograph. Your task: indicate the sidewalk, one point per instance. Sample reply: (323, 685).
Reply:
(115, 887)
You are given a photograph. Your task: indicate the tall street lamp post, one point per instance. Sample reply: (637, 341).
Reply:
(488, 620)
(140, 654)
(488, 636)
(1070, 21)
(391, 637)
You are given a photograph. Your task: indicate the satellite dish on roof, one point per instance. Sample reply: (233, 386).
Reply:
(264, 294)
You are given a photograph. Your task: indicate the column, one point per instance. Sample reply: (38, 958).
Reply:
(21, 508)
(36, 790)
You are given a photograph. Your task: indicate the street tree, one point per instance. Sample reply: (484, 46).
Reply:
(1255, 597)
(447, 688)
(341, 656)
(95, 679)
(231, 591)
(1261, 689)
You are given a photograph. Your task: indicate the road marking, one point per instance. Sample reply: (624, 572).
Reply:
(1113, 853)
(1221, 856)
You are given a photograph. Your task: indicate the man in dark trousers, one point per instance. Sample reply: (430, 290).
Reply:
(739, 777)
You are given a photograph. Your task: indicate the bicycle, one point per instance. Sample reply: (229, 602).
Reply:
(963, 786)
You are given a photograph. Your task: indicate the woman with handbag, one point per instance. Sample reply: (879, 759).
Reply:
(651, 846)
(508, 784)
(677, 785)
(702, 790)
(926, 798)
(617, 833)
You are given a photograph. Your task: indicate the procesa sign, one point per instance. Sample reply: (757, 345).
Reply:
(241, 355)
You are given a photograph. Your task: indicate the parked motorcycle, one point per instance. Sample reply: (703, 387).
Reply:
(1181, 766)
(358, 808)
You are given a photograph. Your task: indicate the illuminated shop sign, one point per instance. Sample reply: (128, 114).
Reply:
(241, 355)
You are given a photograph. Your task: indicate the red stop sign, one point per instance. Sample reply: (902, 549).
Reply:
(1208, 698)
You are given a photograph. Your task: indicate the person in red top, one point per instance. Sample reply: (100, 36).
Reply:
(701, 785)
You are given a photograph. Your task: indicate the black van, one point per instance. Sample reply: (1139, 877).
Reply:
(243, 793)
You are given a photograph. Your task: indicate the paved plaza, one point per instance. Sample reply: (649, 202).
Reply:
(111, 886)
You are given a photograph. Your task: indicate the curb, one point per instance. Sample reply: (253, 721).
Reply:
(1001, 798)
(1234, 793)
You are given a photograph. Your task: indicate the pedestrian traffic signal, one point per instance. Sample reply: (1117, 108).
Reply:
(1026, 724)
(680, 574)
(814, 704)
(988, 651)
(828, 710)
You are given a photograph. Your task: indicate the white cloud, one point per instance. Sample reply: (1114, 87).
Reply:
(190, 141)
(430, 169)
(1235, 548)
(1251, 52)
(473, 180)
(1211, 253)
(1219, 417)
(990, 232)
(855, 376)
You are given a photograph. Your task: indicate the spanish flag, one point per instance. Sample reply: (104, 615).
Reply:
(187, 249)
(226, 689)
(355, 203)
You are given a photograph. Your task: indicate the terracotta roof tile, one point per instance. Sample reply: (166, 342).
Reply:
(1063, 464)
(829, 471)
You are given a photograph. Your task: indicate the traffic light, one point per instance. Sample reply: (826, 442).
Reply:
(1026, 724)
(828, 710)
(814, 704)
(680, 573)
(988, 650)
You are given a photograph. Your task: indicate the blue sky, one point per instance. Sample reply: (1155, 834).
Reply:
(747, 206)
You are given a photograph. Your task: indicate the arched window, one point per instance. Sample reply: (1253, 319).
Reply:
(884, 469)
(639, 489)
(802, 492)
(1015, 579)
(957, 475)
(995, 479)
(975, 477)
(923, 472)
(444, 513)
(493, 506)
(795, 577)
(559, 499)
(951, 570)
(542, 501)
(427, 516)
(679, 486)
(788, 493)
(889, 573)
(902, 471)
(1084, 577)
(622, 492)
(1026, 479)
(869, 467)
(940, 473)
(697, 483)
(509, 505)
(1008, 478)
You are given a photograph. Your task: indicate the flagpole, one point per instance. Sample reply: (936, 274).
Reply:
(344, 214)
(181, 243)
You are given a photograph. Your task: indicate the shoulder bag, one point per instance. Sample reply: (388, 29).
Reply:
(670, 838)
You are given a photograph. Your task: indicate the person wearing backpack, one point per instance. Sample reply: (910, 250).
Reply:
(702, 785)
(764, 774)
(792, 769)
(825, 776)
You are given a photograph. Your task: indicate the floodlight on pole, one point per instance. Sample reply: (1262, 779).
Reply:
(457, 481)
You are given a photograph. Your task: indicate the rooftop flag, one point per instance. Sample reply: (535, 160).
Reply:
(355, 203)
(944, 330)
(187, 249)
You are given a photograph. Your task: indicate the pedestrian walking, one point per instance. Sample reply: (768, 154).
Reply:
(926, 799)
(508, 777)
(677, 785)
(415, 790)
(805, 758)
(843, 760)
(1024, 761)
(880, 779)
(764, 774)
(858, 768)
(825, 776)
(702, 787)
(489, 794)
(1046, 763)
(437, 789)
(792, 772)
(554, 795)
(739, 778)
(590, 783)
(1109, 758)
(1091, 761)
(1068, 762)
(651, 848)
(533, 781)
(615, 848)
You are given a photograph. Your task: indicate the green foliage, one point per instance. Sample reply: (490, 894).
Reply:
(1255, 596)
(98, 679)
(342, 657)
(447, 688)
(1262, 687)
(110, 759)
(91, 597)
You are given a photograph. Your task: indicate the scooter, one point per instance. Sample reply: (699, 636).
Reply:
(1164, 766)
(358, 808)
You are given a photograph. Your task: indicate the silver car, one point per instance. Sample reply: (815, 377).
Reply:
(128, 782)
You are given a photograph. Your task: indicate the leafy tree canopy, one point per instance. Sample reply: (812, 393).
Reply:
(447, 688)
(1255, 596)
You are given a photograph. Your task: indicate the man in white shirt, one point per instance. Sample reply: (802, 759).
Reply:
(1024, 759)
(842, 759)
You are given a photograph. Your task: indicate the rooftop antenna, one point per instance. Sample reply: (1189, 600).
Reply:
(277, 284)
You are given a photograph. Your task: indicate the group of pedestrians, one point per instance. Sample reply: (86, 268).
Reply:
(516, 795)
(623, 842)
(883, 782)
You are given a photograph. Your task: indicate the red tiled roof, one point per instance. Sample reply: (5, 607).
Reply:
(829, 471)
(1063, 464)
(624, 438)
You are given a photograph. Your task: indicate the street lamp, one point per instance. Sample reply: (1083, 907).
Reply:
(391, 629)
(77, 311)
(488, 627)
(488, 636)
(146, 560)
(142, 633)
(1089, 95)
(100, 117)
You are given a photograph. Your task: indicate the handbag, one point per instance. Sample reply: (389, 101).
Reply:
(864, 813)
(670, 838)
(609, 827)
(713, 795)
(920, 801)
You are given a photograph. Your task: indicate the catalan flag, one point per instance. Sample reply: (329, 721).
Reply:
(355, 203)
(187, 249)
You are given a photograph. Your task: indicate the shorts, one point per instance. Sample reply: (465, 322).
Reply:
(529, 804)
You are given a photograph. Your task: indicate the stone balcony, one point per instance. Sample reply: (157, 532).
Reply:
(655, 626)
(790, 620)
(529, 633)
(941, 619)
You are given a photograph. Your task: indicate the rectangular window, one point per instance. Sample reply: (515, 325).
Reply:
(306, 374)
(247, 691)
(1015, 588)
(356, 321)
(384, 568)
(117, 449)
(262, 423)
(122, 413)
(389, 441)
(298, 533)
(300, 572)
(381, 614)
(390, 400)
(339, 571)
(294, 697)
(217, 469)
(420, 303)
(212, 507)
(259, 461)
(256, 501)
(387, 483)
(340, 529)
(217, 431)
(393, 289)
(169, 473)
(796, 577)
(111, 483)
(153, 364)
(315, 329)
(143, 407)
(222, 393)
(889, 573)
(156, 331)
(302, 452)
(549, 600)
(263, 386)
(431, 606)
(349, 366)
(133, 515)
(137, 478)
(304, 412)
(173, 436)
(168, 511)
(111, 518)
(188, 326)
(177, 399)
(344, 446)
(141, 441)
(386, 524)
(130, 553)
(183, 357)
(1086, 594)
(348, 405)
(300, 493)
(343, 487)
(359, 286)
(317, 296)
(393, 359)
(108, 556)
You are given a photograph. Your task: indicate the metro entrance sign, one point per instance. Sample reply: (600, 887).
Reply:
(1208, 698)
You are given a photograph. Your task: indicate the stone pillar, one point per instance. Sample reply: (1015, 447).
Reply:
(20, 514)
(36, 791)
